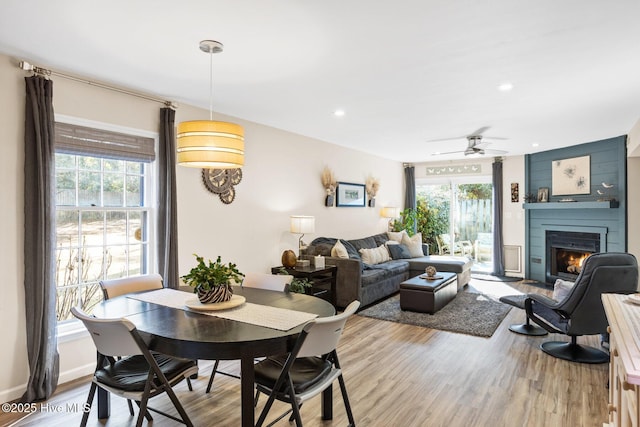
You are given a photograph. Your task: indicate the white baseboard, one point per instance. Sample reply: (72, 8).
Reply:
(69, 375)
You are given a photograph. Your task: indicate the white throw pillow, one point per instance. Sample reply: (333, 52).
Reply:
(339, 251)
(561, 289)
(375, 256)
(396, 236)
(414, 244)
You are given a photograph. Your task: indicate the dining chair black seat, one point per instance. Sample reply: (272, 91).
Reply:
(310, 368)
(128, 369)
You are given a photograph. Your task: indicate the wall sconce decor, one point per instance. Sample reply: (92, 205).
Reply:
(330, 184)
(372, 185)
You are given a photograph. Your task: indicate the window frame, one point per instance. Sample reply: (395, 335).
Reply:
(72, 329)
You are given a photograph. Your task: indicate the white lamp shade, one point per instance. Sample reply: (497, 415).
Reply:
(303, 224)
(389, 212)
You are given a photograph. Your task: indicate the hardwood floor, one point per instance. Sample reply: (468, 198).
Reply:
(402, 375)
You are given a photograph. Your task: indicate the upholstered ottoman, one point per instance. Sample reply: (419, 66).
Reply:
(460, 265)
(428, 296)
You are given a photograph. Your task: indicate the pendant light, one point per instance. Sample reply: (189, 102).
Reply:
(207, 143)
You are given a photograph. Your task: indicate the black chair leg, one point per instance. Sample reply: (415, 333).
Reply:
(528, 329)
(87, 408)
(574, 352)
(213, 374)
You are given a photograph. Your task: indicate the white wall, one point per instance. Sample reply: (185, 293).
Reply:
(513, 213)
(633, 198)
(281, 177)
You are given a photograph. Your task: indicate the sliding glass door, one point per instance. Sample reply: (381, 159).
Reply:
(455, 215)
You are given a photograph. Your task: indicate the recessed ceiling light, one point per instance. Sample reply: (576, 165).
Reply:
(505, 87)
(338, 113)
(535, 144)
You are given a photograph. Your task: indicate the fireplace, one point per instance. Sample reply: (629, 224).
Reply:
(565, 252)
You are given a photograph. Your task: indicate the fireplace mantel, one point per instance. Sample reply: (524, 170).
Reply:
(610, 204)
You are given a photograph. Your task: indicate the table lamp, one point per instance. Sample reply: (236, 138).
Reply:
(302, 224)
(390, 212)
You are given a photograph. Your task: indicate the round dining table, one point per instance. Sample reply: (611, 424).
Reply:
(193, 335)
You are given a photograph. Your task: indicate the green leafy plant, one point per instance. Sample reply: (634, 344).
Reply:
(297, 285)
(212, 275)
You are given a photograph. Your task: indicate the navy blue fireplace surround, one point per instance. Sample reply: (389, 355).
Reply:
(589, 217)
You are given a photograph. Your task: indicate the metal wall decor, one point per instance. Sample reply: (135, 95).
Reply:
(222, 182)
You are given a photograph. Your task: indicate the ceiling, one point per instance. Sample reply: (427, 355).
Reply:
(405, 73)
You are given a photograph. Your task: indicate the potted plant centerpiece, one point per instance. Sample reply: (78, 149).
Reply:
(212, 281)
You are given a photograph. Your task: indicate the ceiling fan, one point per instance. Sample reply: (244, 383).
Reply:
(475, 145)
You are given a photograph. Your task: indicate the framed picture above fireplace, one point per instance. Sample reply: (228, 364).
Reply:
(571, 176)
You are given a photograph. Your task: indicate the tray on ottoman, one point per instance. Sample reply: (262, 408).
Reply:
(428, 296)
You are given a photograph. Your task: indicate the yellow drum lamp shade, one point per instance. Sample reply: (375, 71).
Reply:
(210, 144)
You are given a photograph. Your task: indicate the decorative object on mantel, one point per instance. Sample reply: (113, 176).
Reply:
(208, 143)
(543, 194)
(222, 182)
(605, 192)
(571, 176)
(372, 186)
(390, 212)
(212, 282)
(330, 184)
(302, 224)
(454, 169)
(530, 198)
(350, 195)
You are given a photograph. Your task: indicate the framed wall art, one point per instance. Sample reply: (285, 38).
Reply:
(515, 192)
(350, 195)
(543, 194)
(571, 176)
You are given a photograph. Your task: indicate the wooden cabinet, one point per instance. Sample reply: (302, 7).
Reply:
(624, 368)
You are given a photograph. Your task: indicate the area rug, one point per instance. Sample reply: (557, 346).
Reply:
(492, 278)
(469, 313)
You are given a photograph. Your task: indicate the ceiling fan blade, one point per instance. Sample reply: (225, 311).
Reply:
(447, 139)
(448, 152)
(480, 131)
(495, 151)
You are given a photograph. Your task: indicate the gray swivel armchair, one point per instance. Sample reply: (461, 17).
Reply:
(581, 312)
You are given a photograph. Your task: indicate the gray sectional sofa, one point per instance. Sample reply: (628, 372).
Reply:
(370, 283)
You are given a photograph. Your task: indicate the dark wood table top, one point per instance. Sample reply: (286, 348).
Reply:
(192, 335)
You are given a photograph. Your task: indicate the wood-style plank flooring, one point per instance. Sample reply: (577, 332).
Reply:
(402, 375)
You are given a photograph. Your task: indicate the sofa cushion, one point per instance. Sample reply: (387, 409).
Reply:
(396, 236)
(414, 244)
(339, 251)
(351, 250)
(375, 273)
(375, 256)
(453, 264)
(399, 251)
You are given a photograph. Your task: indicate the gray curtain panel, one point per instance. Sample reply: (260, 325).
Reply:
(39, 240)
(410, 189)
(167, 204)
(498, 246)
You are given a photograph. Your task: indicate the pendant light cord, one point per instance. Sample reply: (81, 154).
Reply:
(211, 85)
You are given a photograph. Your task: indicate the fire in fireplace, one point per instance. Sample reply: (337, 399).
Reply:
(565, 252)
